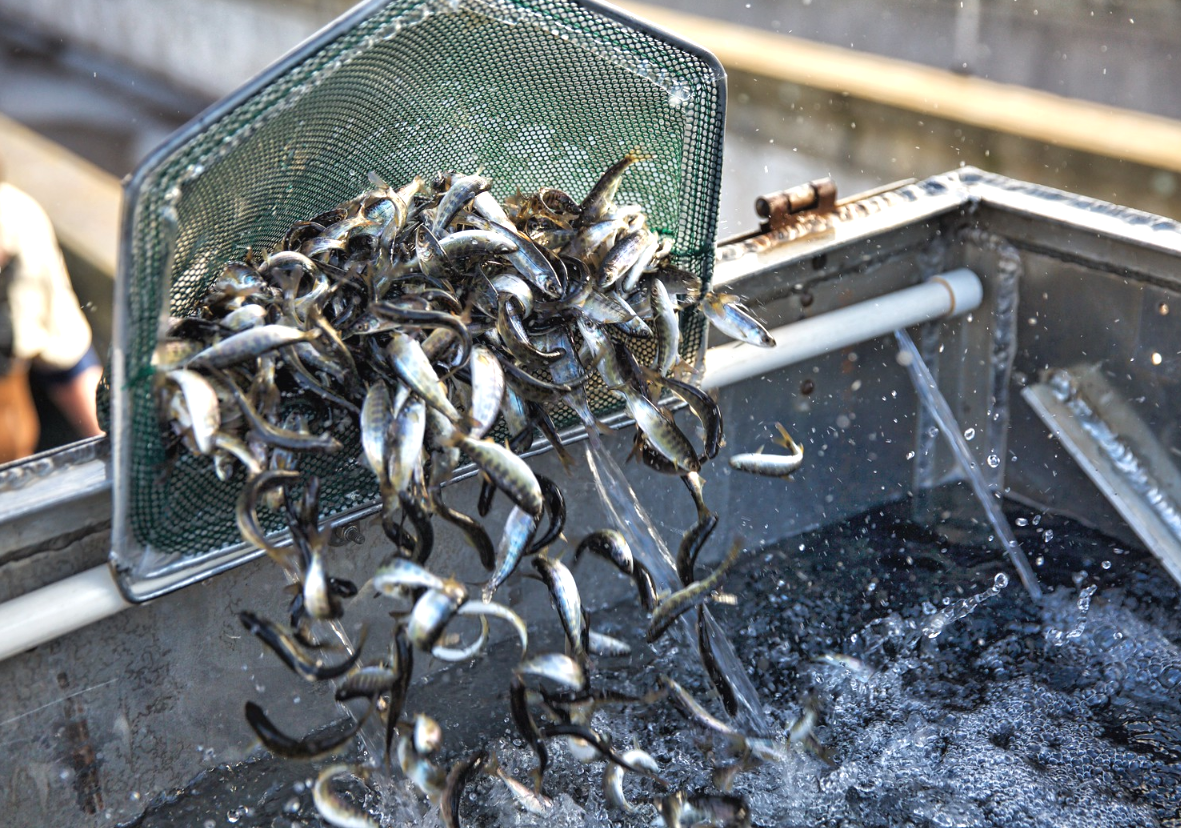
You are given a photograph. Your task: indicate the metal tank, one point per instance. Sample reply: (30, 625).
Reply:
(1064, 371)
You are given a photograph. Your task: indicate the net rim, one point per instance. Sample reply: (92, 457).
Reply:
(138, 583)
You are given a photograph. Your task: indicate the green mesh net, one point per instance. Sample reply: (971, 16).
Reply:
(532, 94)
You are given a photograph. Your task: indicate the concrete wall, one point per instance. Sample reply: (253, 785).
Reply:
(1124, 53)
(207, 46)
(1121, 53)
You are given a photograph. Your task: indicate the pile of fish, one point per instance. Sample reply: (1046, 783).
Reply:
(431, 316)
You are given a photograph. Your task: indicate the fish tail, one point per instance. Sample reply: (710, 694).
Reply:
(784, 439)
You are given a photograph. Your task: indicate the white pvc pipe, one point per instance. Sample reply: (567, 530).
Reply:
(90, 596)
(951, 294)
(52, 611)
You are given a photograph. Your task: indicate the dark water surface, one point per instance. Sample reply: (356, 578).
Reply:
(960, 703)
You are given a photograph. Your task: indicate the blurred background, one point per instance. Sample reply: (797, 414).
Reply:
(1074, 94)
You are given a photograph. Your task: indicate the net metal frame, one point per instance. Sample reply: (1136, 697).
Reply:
(531, 93)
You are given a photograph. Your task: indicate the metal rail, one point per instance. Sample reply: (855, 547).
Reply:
(90, 596)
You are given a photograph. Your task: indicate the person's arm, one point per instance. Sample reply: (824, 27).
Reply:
(75, 399)
(49, 326)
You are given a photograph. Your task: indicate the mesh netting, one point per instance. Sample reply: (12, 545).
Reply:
(532, 94)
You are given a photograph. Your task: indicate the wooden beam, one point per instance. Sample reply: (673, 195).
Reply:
(1029, 113)
(83, 201)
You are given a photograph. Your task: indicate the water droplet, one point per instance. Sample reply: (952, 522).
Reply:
(970, 434)
(1106, 564)
(1022, 522)
(910, 455)
(1048, 535)
(993, 461)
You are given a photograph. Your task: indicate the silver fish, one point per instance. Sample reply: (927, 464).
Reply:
(564, 592)
(201, 405)
(247, 316)
(666, 327)
(642, 264)
(666, 437)
(535, 803)
(428, 736)
(605, 645)
(414, 369)
(463, 189)
(672, 606)
(613, 778)
(376, 419)
(426, 776)
(467, 653)
(601, 199)
(556, 667)
(402, 575)
(431, 613)
(248, 344)
(621, 257)
(610, 545)
(487, 391)
(406, 454)
(473, 242)
(727, 313)
(331, 807)
(519, 528)
(772, 465)
(510, 473)
(487, 608)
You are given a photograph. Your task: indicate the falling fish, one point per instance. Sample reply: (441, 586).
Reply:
(772, 465)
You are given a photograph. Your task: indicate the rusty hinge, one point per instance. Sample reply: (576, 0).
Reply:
(783, 209)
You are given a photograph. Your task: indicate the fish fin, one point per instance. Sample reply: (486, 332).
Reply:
(784, 439)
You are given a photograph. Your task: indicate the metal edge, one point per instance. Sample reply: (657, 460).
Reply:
(242, 94)
(1081, 212)
(192, 570)
(711, 60)
(1099, 468)
(856, 220)
(123, 543)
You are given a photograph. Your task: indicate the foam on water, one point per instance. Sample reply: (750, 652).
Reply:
(992, 721)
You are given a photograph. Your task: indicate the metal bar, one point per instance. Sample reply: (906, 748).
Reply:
(1123, 477)
(75, 602)
(951, 294)
(62, 607)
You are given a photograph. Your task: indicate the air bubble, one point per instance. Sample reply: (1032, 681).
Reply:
(969, 434)
(993, 461)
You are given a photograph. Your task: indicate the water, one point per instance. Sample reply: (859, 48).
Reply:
(649, 548)
(992, 722)
(928, 391)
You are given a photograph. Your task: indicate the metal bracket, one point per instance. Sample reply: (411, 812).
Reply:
(783, 209)
(1118, 452)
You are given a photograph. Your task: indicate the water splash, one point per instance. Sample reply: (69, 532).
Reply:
(620, 501)
(1060, 638)
(939, 621)
(940, 411)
